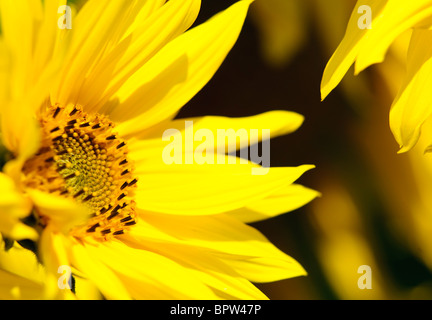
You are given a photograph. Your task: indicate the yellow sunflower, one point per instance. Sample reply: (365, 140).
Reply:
(390, 19)
(83, 112)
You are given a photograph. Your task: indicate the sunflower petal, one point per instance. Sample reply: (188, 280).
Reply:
(279, 122)
(63, 213)
(261, 270)
(369, 46)
(13, 207)
(349, 48)
(217, 275)
(413, 104)
(196, 191)
(102, 276)
(237, 245)
(177, 72)
(149, 35)
(155, 276)
(282, 201)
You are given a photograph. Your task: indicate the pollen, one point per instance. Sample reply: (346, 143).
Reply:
(82, 158)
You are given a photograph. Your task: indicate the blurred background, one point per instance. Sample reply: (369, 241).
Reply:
(374, 208)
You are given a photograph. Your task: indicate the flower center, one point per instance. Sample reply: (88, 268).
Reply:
(83, 159)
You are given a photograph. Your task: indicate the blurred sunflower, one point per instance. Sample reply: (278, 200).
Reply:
(390, 20)
(83, 111)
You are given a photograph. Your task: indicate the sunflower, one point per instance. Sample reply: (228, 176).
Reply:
(366, 46)
(84, 185)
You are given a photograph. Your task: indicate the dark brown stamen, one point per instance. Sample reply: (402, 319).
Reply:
(93, 228)
(121, 145)
(104, 232)
(78, 193)
(56, 112)
(126, 219)
(74, 111)
(112, 137)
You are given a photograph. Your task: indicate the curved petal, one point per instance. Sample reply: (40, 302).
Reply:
(212, 271)
(285, 200)
(192, 190)
(219, 233)
(347, 51)
(177, 72)
(413, 104)
(279, 122)
(13, 207)
(237, 245)
(102, 276)
(261, 270)
(97, 28)
(21, 275)
(154, 276)
(62, 213)
(147, 36)
(369, 46)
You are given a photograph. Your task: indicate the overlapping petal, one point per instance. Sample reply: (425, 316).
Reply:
(368, 46)
(177, 72)
(14, 207)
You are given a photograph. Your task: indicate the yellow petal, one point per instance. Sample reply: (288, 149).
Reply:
(102, 276)
(13, 207)
(17, 25)
(179, 70)
(54, 254)
(397, 17)
(282, 201)
(348, 49)
(53, 248)
(147, 36)
(369, 46)
(220, 277)
(412, 105)
(279, 123)
(236, 133)
(95, 28)
(20, 134)
(13, 287)
(260, 270)
(218, 233)
(21, 262)
(237, 245)
(195, 191)
(21, 275)
(150, 275)
(62, 213)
